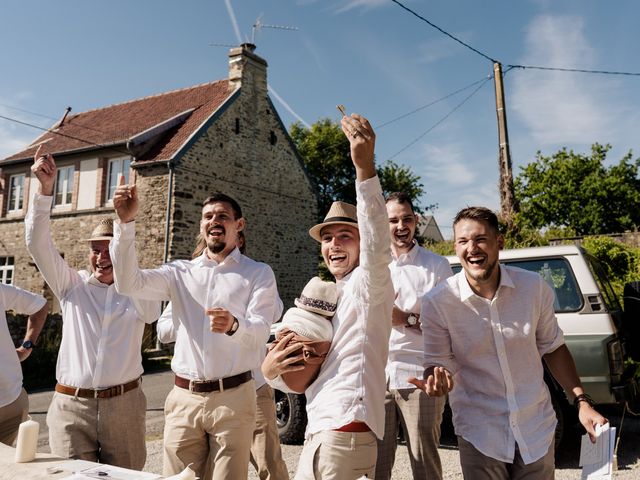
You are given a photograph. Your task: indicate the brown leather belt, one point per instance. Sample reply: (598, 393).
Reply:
(219, 385)
(354, 427)
(99, 393)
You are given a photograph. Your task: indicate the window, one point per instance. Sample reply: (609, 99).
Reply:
(16, 192)
(6, 270)
(117, 167)
(64, 186)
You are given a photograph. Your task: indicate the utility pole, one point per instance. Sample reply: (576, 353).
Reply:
(508, 204)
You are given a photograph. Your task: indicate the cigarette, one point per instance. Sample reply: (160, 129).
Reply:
(341, 109)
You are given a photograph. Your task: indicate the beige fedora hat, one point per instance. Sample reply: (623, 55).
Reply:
(340, 212)
(318, 296)
(103, 231)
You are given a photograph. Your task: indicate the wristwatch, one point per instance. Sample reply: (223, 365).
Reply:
(412, 320)
(234, 327)
(28, 344)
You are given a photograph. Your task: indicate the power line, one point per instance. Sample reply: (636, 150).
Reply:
(445, 32)
(378, 127)
(88, 142)
(441, 120)
(577, 70)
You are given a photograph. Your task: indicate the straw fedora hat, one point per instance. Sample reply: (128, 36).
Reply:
(313, 326)
(340, 212)
(318, 296)
(103, 231)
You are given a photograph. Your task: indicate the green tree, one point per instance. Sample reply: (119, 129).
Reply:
(325, 152)
(578, 193)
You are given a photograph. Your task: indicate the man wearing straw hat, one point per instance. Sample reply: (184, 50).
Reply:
(345, 404)
(98, 409)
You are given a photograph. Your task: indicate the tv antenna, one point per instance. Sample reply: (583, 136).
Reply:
(259, 25)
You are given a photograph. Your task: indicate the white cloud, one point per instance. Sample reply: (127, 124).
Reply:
(439, 48)
(444, 165)
(14, 137)
(365, 4)
(560, 107)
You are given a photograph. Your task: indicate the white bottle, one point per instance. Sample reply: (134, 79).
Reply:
(27, 441)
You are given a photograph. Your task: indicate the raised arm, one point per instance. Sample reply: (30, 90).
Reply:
(52, 266)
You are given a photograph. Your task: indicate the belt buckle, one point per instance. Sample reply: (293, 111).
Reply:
(191, 385)
(95, 393)
(221, 384)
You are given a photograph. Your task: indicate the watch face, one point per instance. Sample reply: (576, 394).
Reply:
(412, 319)
(27, 344)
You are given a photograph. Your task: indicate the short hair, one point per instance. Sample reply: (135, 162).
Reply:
(221, 197)
(479, 214)
(400, 197)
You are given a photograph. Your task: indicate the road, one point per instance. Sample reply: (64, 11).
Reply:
(157, 385)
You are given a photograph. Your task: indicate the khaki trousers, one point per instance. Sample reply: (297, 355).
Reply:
(105, 430)
(477, 466)
(421, 416)
(11, 416)
(212, 431)
(266, 455)
(331, 455)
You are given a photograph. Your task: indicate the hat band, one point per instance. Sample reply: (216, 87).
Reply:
(340, 219)
(317, 303)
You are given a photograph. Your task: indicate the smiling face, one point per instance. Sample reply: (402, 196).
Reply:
(220, 229)
(477, 246)
(100, 261)
(340, 247)
(402, 226)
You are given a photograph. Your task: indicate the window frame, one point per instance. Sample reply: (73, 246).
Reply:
(12, 197)
(124, 167)
(68, 191)
(7, 269)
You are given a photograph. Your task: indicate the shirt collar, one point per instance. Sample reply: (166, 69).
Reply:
(465, 289)
(408, 257)
(94, 281)
(204, 261)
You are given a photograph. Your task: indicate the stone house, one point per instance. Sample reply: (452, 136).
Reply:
(178, 147)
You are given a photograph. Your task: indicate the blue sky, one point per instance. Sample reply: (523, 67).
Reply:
(371, 55)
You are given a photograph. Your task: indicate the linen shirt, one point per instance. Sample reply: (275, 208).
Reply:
(493, 348)
(101, 329)
(244, 287)
(27, 303)
(351, 383)
(414, 274)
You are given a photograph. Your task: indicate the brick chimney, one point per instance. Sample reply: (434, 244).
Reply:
(247, 70)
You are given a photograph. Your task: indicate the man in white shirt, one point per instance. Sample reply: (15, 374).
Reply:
(14, 402)
(345, 404)
(225, 304)
(98, 409)
(414, 271)
(485, 332)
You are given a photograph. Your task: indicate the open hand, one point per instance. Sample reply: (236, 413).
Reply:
(280, 358)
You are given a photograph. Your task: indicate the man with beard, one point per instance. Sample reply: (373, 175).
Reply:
(225, 304)
(345, 404)
(485, 331)
(98, 409)
(415, 271)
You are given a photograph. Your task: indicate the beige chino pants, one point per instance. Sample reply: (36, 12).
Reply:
(11, 416)
(211, 431)
(105, 430)
(266, 454)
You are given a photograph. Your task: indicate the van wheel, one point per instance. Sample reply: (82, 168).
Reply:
(291, 417)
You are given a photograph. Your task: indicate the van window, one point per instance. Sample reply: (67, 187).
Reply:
(559, 276)
(609, 296)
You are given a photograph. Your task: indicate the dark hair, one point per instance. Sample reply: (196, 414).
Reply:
(479, 214)
(221, 197)
(400, 197)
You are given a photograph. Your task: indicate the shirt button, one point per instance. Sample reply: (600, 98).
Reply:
(360, 399)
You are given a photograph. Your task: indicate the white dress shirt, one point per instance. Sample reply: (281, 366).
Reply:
(101, 329)
(493, 348)
(244, 287)
(27, 303)
(351, 383)
(413, 273)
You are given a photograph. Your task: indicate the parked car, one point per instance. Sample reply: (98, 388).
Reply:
(598, 334)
